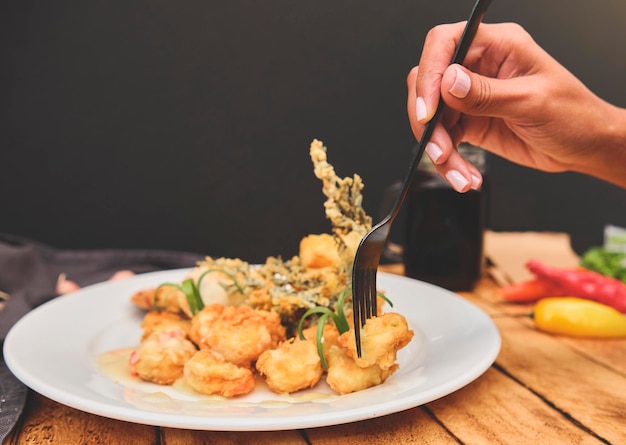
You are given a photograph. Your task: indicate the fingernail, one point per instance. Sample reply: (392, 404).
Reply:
(457, 180)
(461, 85)
(420, 109)
(434, 151)
(476, 182)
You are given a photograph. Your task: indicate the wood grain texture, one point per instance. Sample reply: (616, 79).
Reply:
(48, 422)
(171, 436)
(574, 384)
(495, 409)
(414, 426)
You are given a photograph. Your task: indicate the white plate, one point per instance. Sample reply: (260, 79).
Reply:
(55, 349)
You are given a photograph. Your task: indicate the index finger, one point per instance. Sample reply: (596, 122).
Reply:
(439, 46)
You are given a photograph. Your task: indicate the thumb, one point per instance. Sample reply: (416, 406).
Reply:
(477, 95)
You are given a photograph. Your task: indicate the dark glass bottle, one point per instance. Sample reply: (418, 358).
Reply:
(445, 229)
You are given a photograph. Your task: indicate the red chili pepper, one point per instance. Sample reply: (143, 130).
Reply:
(583, 283)
(530, 290)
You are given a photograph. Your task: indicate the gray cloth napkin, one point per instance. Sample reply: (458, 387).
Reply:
(29, 271)
(12, 399)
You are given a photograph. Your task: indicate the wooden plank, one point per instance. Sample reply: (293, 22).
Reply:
(172, 436)
(408, 427)
(610, 353)
(583, 379)
(496, 409)
(589, 392)
(47, 422)
(485, 296)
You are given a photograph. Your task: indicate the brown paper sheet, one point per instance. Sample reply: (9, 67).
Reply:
(508, 252)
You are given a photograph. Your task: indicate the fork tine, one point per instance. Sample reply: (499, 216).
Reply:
(357, 337)
(363, 298)
(364, 303)
(358, 310)
(373, 295)
(370, 294)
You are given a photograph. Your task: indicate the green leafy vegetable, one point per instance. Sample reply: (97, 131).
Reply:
(606, 262)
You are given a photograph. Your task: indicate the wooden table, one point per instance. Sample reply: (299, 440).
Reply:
(542, 389)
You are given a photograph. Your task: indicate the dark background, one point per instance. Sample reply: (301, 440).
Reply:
(186, 125)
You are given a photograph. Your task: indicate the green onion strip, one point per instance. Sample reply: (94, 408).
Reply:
(387, 300)
(229, 275)
(319, 339)
(190, 290)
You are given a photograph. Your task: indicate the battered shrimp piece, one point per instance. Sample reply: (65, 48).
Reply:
(293, 366)
(202, 323)
(318, 251)
(208, 374)
(159, 320)
(381, 338)
(237, 334)
(166, 298)
(274, 326)
(160, 358)
(345, 376)
(331, 336)
(217, 286)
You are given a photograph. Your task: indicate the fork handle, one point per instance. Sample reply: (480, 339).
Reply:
(478, 12)
(476, 16)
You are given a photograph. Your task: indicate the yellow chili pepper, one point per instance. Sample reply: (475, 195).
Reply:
(578, 317)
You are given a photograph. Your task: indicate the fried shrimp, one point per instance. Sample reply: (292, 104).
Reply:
(274, 326)
(219, 282)
(207, 374)
(345, 376)
(202, 323)
(236, 334)
(160, 358)
(317, 251)
(293, 366)
(166, 298)
(381, 338)
(330, 336)
(159, 320)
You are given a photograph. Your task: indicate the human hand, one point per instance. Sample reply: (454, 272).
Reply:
(512, 99)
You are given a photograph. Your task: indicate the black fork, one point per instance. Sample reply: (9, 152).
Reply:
(367, 257)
